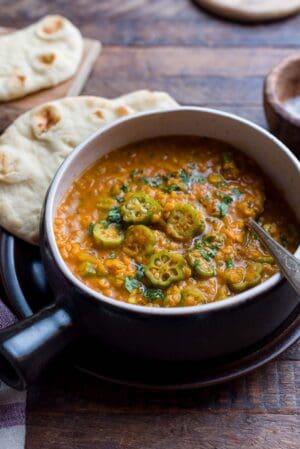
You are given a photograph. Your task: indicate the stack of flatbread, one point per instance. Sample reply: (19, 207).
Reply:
(39, 56)
(34, 146)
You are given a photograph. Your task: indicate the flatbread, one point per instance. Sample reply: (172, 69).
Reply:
(34, 146)
(39, 56)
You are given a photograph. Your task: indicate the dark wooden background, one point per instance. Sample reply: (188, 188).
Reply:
(200, 60)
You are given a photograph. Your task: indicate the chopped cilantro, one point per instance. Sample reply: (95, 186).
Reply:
(124, 188)
(88, 269)
(198, 243)
(154, 293)
(210, 253)
(198, 178)
(131, 284)
(91, 228)
(135, 171)
(227, 199)
(159, 180)
(171, 188)
(119, 199)
(237, 192)
(207, 256)
(213, 241)
(207, 251)
(114, 215)
(185, 177)
(223, 208)
(140, 271)
(153, 182)
(104, 223)
(229, 263)
(197, 265)
(209, 239)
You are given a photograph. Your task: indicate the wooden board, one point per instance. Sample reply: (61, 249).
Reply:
(252, 10)
(72, 87)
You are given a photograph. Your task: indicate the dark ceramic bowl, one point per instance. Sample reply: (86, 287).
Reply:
(180, 334)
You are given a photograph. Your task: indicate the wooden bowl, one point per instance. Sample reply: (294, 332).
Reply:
(282, 102)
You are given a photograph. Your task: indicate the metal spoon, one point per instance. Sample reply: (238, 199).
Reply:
(288, 264)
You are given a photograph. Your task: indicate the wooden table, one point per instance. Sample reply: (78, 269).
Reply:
(200, 60)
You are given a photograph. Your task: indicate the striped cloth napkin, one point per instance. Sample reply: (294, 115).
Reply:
(12, 403)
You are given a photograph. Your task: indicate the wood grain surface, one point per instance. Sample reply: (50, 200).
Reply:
(200, 60)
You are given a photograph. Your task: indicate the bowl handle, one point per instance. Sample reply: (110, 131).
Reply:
(28, 346)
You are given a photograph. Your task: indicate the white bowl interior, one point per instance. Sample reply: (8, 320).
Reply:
(271, 155)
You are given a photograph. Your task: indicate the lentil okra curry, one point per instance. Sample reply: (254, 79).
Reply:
(163, 223)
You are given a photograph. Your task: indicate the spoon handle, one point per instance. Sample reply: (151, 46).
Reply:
(289, 264)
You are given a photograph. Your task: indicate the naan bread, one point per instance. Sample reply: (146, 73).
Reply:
(39, 56)
(34, 146)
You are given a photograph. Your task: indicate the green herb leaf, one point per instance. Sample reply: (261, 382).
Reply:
(90, 229)
(227, 199)
(135, 171)
(124, 188)
(206, 251)
(153, 182)
(119, 199)
(104, 223)
(154, 293)
(112, 255)
(229, 263)
(185, 177)
(131, 284)
(223, 208)
(171, 188)
(213, 242)
(140, 271)
(198, 178)
(237, 192)
(114, 215)
(88, 269)
(205, 255)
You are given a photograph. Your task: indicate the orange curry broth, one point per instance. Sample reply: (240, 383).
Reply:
(222, 185)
